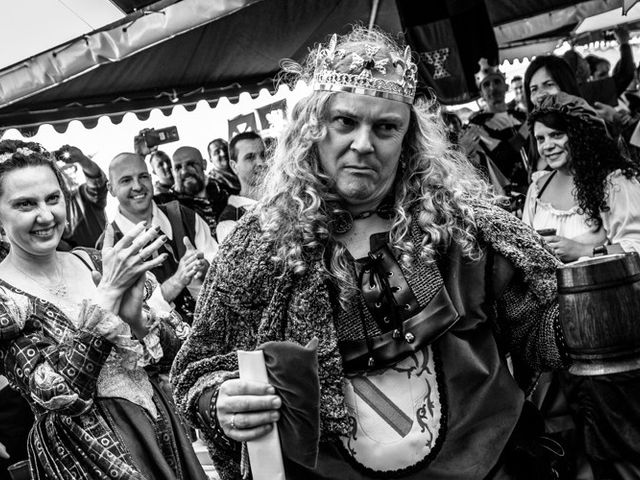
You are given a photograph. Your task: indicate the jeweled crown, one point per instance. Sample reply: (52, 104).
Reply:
(366, 69)
(485, 71)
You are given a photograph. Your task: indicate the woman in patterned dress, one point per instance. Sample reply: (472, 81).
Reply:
(76, 331)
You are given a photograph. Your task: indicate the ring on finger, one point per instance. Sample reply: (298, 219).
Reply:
(232, 424)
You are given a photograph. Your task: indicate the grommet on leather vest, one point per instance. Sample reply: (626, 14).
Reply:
(407, 327)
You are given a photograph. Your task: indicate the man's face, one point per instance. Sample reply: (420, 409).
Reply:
(518, 89)
(161, 166)
(188, 169)
(249, 166)
(130, 182)
(361, 149)
(493, 90)
(218, 156)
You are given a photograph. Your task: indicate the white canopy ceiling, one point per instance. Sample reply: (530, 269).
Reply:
(29, 27)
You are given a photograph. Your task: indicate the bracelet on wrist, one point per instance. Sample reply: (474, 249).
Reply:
(209, 419)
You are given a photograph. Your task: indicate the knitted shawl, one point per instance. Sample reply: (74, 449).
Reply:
(247, 300)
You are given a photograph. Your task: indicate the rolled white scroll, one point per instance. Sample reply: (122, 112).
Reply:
(265, 453)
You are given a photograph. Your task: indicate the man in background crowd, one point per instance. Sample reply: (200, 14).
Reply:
(219, 172)
(518, 102)
(189, 244)
(161, 168)
(247, 161)
(497, 137)
(88, 200)
(191, 188)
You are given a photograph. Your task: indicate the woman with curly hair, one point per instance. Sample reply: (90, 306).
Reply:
(76, 332)
(589, 198)
(591, 195)
(376, 237)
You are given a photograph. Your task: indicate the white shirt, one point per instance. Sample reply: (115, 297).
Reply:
(203, 242)
(621, 224)
(225, 227)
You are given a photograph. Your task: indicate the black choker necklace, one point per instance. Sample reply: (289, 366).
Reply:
(342, 220)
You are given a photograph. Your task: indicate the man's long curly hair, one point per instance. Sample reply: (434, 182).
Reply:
(594, 155)
(435, 184)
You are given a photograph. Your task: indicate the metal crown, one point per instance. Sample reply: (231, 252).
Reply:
(367, 69)
(486, 70)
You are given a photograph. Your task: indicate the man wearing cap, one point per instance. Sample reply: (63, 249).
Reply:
(496, 137)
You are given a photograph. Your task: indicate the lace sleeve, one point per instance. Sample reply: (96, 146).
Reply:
(166, 328)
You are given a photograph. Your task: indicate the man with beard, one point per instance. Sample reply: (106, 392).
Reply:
(496, 138)
(247, 161)
(220, 171)
(191, 188)
(188, 241)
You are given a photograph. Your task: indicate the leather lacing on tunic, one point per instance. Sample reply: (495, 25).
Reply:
(379, 326)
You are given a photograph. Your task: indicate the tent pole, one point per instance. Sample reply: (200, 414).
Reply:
(374, 13)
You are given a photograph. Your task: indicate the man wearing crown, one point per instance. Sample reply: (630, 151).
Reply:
(496, 137)
(378, 275)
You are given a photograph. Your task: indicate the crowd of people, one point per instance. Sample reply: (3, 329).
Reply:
(396, 266)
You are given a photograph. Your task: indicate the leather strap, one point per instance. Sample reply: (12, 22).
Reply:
(418, 331)
(385, 290)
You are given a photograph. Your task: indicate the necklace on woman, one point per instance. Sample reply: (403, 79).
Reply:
(57, 289)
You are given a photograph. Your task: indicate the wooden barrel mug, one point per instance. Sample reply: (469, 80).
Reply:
(600, 313)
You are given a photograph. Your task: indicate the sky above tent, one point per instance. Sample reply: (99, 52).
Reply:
(29, 27)
(122, 67)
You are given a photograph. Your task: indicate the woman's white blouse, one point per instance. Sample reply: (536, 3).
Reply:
(621, 224)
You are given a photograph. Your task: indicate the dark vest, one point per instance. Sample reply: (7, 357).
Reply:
(182, 220)
(231, 213)
(481, 402)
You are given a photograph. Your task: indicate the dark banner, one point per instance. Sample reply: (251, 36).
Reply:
(242, 123)
(450, 38)
(272, 116)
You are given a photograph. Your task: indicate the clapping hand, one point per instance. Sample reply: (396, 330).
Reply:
(124, 265)
(192, 264)
(470, 139)
(201, 265)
